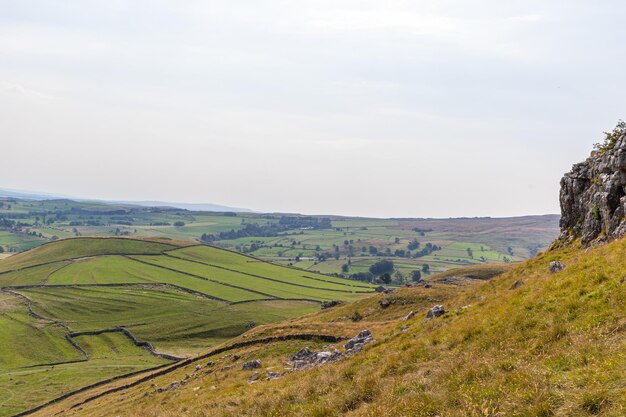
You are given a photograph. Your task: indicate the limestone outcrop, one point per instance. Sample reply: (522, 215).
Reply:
(593, 197)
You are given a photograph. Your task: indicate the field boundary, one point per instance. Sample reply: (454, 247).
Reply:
(201, 277)
(255, 259)
(172, 367)
(267, 278)
(121, 284)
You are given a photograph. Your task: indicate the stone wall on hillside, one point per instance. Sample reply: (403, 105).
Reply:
(593, 202)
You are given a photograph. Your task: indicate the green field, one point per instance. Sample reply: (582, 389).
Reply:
(180, 299)
(323, 249)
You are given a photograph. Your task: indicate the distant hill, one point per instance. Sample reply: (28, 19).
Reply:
(30, 195)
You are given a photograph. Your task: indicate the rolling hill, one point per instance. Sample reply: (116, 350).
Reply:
(78, 311)
(528, 342)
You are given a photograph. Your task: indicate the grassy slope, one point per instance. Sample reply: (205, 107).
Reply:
(174, 321)
(111, 354)
(228, 259)
(119, 269)
(271, 288)
(554, 346)
(81, 247)
(171, 320)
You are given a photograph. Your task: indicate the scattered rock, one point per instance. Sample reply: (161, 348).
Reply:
(174, 385)
(210, 363)
(435, 312)
(329, 304)
(226, 368)
(386, 302)
(356, 343)
(517, 284)
(236, 358)
(409, 316)
(381, 288)
(556, 266)
(306, 358)
(404, 328)
(254, 377)
(255, 364)
(198, 367)
(272, 375)
(428, 286)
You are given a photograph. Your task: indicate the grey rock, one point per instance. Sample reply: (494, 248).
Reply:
(517, 284)
(329, 304)
(409, 316)
(386, 302)
(404, 328)
(381, 288)
(272, 375)
(593, 197)
(306, 358)
(556, 266)
(255, 364)
(435, 312)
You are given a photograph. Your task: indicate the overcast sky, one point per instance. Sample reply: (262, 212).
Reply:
(375, 108)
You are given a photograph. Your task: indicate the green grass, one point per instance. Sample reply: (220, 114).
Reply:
(232, 260)
(119, 269)
(269, 288)
(95, 284)
(25, 340)
(78, 248)
(111, 354)
(171, 320)
(31, 276)
(554, 346)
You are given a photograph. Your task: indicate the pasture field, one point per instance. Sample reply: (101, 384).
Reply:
(111, 355)
(64, 308)
(518, 340)
(331, 246)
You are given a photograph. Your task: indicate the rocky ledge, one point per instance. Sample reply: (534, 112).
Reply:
(593, 202)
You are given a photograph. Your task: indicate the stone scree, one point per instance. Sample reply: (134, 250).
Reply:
(306, 358)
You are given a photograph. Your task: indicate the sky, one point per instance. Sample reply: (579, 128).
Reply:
(438, 108)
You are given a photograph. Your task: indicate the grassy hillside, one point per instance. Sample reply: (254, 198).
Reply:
(77, 311)
(553, 346)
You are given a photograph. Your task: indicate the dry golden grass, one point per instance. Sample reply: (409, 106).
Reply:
(556, 346)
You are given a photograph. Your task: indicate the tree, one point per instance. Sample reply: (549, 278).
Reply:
(470, 253)
(510, 250)
(382, 267)
(1, 249)
(416, 275)
(363, 276)
(397, 240)
(426, 268)
(345, 268)
(611, 138)
(385, 278)
(414, 244)
(373, 250)
(179, 224)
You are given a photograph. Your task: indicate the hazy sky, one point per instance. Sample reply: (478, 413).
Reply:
(380, 108)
